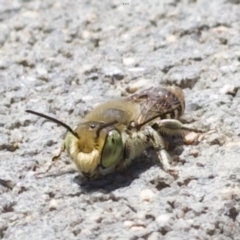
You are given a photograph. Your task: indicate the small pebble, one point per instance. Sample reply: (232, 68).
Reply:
(194, 152)
(87, 98)
(137, 85)
(179, 213)
(197, 208)
(227, 69)
(53, 205)
(164, 218)
(136, 69)
(16, 136)
(97, 217)
(129, 61)
(85, 68)
(171, 38)
(42, 72)
(137, 228)
(229, 89)
(128, 223)
(208, 227)
(113, 71)
(154, 236)
(227, 193)
(185, 77)
(216, 138)
(182, 224)
(147, 195)
(191, 137)
(233, 144)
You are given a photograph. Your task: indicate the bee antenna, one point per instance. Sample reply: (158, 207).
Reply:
(54, 120)
(104, 125)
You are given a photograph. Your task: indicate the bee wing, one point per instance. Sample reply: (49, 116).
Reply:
(159, 102)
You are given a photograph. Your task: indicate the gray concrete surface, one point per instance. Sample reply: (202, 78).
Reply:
(62, 58)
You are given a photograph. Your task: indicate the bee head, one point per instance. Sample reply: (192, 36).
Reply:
(92, 145)
(99, 146)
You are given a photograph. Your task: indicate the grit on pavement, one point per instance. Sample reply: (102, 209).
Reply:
(62, 58)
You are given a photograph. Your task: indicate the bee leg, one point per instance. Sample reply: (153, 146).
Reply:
(139, 141)
(54, 160)
(175, 126)
(163, 156)
(165, 160)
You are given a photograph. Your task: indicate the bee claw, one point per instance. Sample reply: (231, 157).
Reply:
(165, 160)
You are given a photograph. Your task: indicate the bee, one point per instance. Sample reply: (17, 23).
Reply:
(114, 133)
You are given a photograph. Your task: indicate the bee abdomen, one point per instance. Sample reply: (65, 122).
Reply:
(170, 102)
(164, 102)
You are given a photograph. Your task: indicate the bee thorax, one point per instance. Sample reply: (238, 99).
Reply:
(135, 144)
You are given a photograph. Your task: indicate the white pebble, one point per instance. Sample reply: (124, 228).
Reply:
(129, 61)
(164, 218)
(228, 89)
(53, 204)
(137, 85)
(128, 223)
(147, 195)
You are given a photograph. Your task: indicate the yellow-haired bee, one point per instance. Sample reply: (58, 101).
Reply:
(110, 136)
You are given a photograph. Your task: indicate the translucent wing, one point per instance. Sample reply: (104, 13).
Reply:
(159, 102)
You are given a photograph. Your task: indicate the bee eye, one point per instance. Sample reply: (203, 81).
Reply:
(113, 149)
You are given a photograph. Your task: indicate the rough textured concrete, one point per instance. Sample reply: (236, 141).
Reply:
(62, 58)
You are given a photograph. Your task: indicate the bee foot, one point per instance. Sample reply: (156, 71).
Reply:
(37, 175)
(164, 158)
(194, 137)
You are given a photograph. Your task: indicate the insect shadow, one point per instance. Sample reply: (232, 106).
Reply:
(111, 181)
(118, 179)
